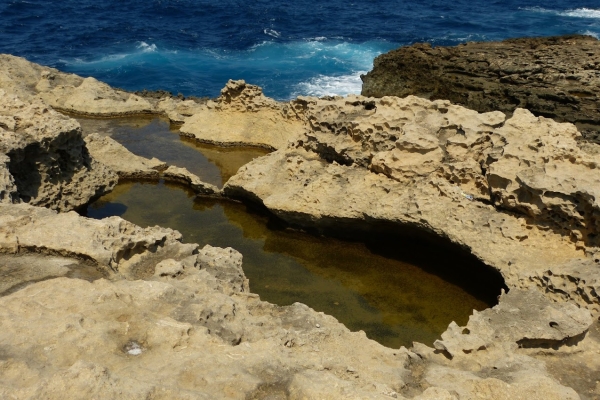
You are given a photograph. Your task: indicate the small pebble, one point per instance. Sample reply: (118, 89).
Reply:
(318, 326)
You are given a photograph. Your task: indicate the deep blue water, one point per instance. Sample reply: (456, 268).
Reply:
(289, 48)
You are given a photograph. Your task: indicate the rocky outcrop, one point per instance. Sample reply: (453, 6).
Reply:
(126, 164)
(368, 164)
(151, 317)
(185, 177)
(130, 166)
(555, 77)
(186, 327)
(242, 115)
(435, 166)
(44, 160)
(67, 92)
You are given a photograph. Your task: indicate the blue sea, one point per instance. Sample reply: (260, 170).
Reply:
(289, 48)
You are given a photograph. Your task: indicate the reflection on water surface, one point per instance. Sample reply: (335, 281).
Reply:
(153, 137)
(393, 301)
(380, 284)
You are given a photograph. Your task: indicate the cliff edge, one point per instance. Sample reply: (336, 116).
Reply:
(554, 77)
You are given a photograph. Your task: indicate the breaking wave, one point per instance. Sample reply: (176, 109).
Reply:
(314, 67)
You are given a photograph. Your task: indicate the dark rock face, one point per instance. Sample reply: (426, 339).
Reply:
(555, 77)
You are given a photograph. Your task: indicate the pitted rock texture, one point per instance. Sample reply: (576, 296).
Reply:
(174, 321)
(479, 181)
(523, 318)
(437, 166)
(242, 115)
(555, 77)
(44, 160)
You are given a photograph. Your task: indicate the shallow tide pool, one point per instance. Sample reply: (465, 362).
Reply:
(397, 289)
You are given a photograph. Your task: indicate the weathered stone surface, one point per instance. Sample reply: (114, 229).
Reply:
(126, 164)
(555, 77)
(242, 115)
(524, 318)
(329, 178)
(177, 321)
(111, 242)
(178, 110)
(44, 159)
(473, 179)
(190, 329)
(185, 177)
(546, 175)
(67, 92)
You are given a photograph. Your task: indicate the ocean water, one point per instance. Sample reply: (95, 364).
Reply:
(289, 48)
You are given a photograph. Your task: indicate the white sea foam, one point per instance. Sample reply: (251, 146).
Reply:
(590, 33)
(147, 48)
(330, 85)
(576, 13)
(272, 33)
(582, 13)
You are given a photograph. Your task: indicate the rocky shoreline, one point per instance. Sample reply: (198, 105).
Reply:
(553, 77)
(163, 319)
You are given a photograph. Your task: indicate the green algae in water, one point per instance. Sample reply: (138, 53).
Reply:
(393, 301)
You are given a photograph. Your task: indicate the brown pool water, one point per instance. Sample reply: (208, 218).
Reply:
(397, 289)
(150, 136)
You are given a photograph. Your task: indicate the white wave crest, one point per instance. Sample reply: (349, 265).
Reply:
(147, 48)
(272, 33)
(330, 85)
(576, 12)
(582, 13)
(593, 34)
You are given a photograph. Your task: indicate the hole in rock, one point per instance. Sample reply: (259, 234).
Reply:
(398, 285)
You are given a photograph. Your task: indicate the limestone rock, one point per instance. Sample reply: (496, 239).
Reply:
(242, 115)
(181, 325)
(442, 168)
(169, 268)
(185, 177)
(178, 110)
(44, 159)
(528, 386)
(555, 77)
(93, 98)
(85, 96)
(546, 175)
(526, 318)
(126, 164)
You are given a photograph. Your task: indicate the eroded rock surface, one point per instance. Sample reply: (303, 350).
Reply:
(126, 164)
(161, 319)
(556, 77)
(242, 115)
(187, 327)
(522, 203)
(43, 158)
(67, 92)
